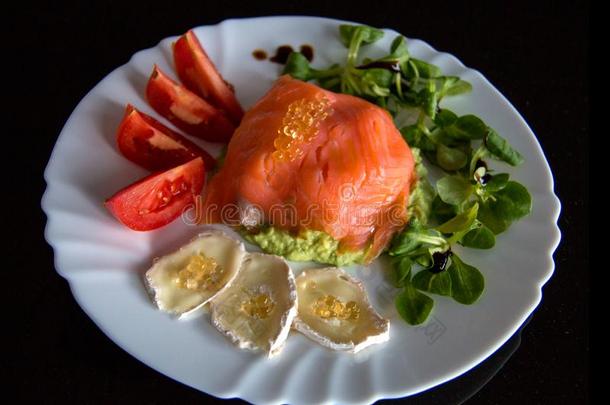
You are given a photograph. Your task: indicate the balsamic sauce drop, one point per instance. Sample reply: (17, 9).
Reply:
(281, 54)
(392, 66)
(259, 54)
(440, 260)
(307, 51)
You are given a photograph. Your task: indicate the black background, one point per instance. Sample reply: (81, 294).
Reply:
(536, 54)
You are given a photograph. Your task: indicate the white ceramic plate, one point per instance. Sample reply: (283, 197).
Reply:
(103, 261)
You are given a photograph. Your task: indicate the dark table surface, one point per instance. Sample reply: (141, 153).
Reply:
(536, 54)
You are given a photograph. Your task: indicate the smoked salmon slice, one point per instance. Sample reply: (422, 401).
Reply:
(306, 158)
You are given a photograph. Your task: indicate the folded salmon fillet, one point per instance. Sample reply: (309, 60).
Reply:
(304, 158)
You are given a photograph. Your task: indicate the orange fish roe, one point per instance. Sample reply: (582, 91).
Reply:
(200, 273)
(259, 306)
(331, 307)
(299, 126)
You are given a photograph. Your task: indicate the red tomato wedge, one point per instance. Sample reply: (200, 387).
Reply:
(186, 110)
(150, 144)
(198, 73)
(158, 199)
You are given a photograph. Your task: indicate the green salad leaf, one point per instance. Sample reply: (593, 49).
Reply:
(480, 237)
(497, 182)
(351, 34)
(298, 67)
(454, 190)
(445, 118)
(434, 283)
(467, 282)
(402, 270)
(466, 128)
(422, 196)
(501, 149)
(450, 159)
(460, 222)
(420, 69)
(509, 204)
(455, 86)
(413, 306)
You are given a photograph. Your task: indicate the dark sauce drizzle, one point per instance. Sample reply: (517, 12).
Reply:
(259, 54)
(282, 52)
(440, 260)
(485, 179)
(307, 51)
(480, 163)
(392, 66)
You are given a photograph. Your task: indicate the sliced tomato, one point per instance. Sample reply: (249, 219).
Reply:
(198, 73)
(160, 198)
(150, 144)
(186, 110)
